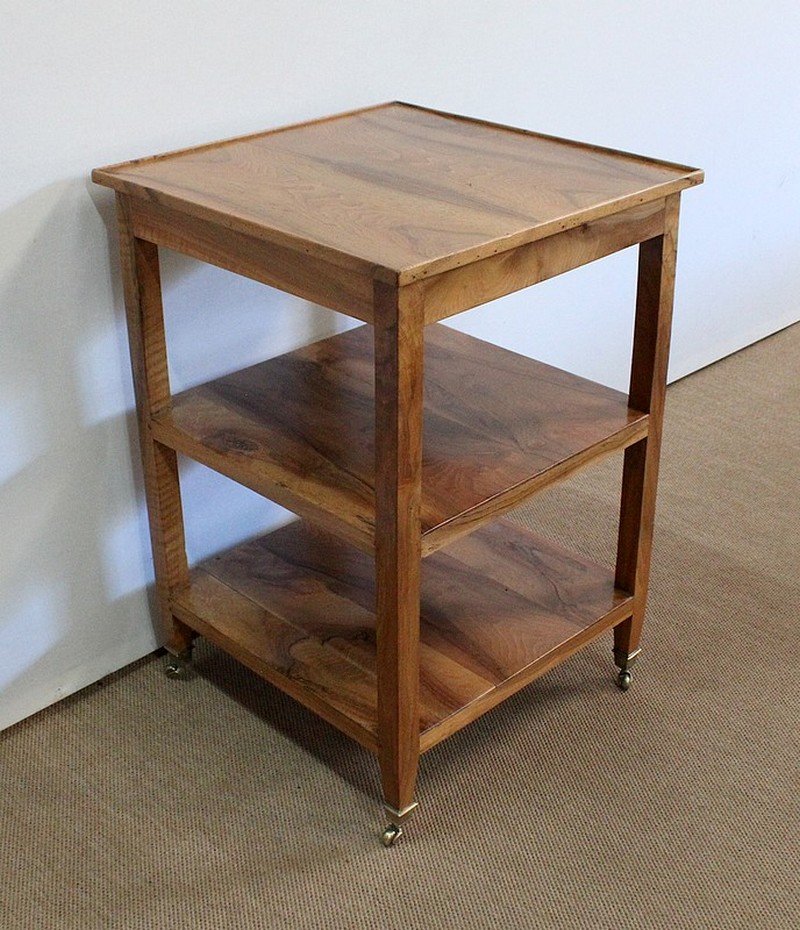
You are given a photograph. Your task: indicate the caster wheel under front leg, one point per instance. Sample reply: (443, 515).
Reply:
(394, 830)
(624, 662)
(179, 667)
(391, 835)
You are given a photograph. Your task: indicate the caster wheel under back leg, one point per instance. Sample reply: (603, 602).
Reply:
(179, 667)
(624, 662)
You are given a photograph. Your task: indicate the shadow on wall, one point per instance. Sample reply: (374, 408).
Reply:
(75, 566)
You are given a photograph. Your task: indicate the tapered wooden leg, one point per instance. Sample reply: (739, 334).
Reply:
(398, 452)
(142, 284)
(647, 392)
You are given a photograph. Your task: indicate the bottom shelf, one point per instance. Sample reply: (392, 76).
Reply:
(498, 608)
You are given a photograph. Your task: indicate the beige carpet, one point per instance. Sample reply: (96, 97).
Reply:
(145, 803)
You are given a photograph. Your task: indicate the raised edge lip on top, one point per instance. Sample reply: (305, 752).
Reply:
(445, 114)
(685, 176)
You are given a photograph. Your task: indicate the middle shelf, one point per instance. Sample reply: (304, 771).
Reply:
(498, 426)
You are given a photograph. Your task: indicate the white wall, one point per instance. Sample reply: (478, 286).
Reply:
(86, 83)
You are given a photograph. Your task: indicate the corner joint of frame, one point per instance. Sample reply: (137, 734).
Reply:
(384, 275)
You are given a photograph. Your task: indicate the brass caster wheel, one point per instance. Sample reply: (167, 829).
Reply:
(624, 679)
(391, 835)
(179, 668)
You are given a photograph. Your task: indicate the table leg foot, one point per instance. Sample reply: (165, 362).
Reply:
(391, 835)
(179, 666)
(624, 661)
(397, 819)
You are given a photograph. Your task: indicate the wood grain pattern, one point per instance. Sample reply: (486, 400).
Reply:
(485, 280)
(399, 192)
(651, 339)
(497, 427)
(398, 365)
(145, 319)
(304, 275)
(400, 216)
(316, 674)
(498, 608)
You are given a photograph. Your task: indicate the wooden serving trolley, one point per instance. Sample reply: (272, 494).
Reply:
(399, 607)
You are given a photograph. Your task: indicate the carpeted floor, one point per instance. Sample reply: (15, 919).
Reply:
(146, 803)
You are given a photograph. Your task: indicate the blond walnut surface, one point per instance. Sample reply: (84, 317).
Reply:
(398, 191)
(403, 438)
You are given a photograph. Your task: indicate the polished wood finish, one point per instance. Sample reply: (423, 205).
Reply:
(498, 608)
(145, 318)
(648, 385)
(282, 651)
(398, 366)
(398, 192)
(497, 427)
(407, 437)
(497, 275)
(303, 275)
(349, 292)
